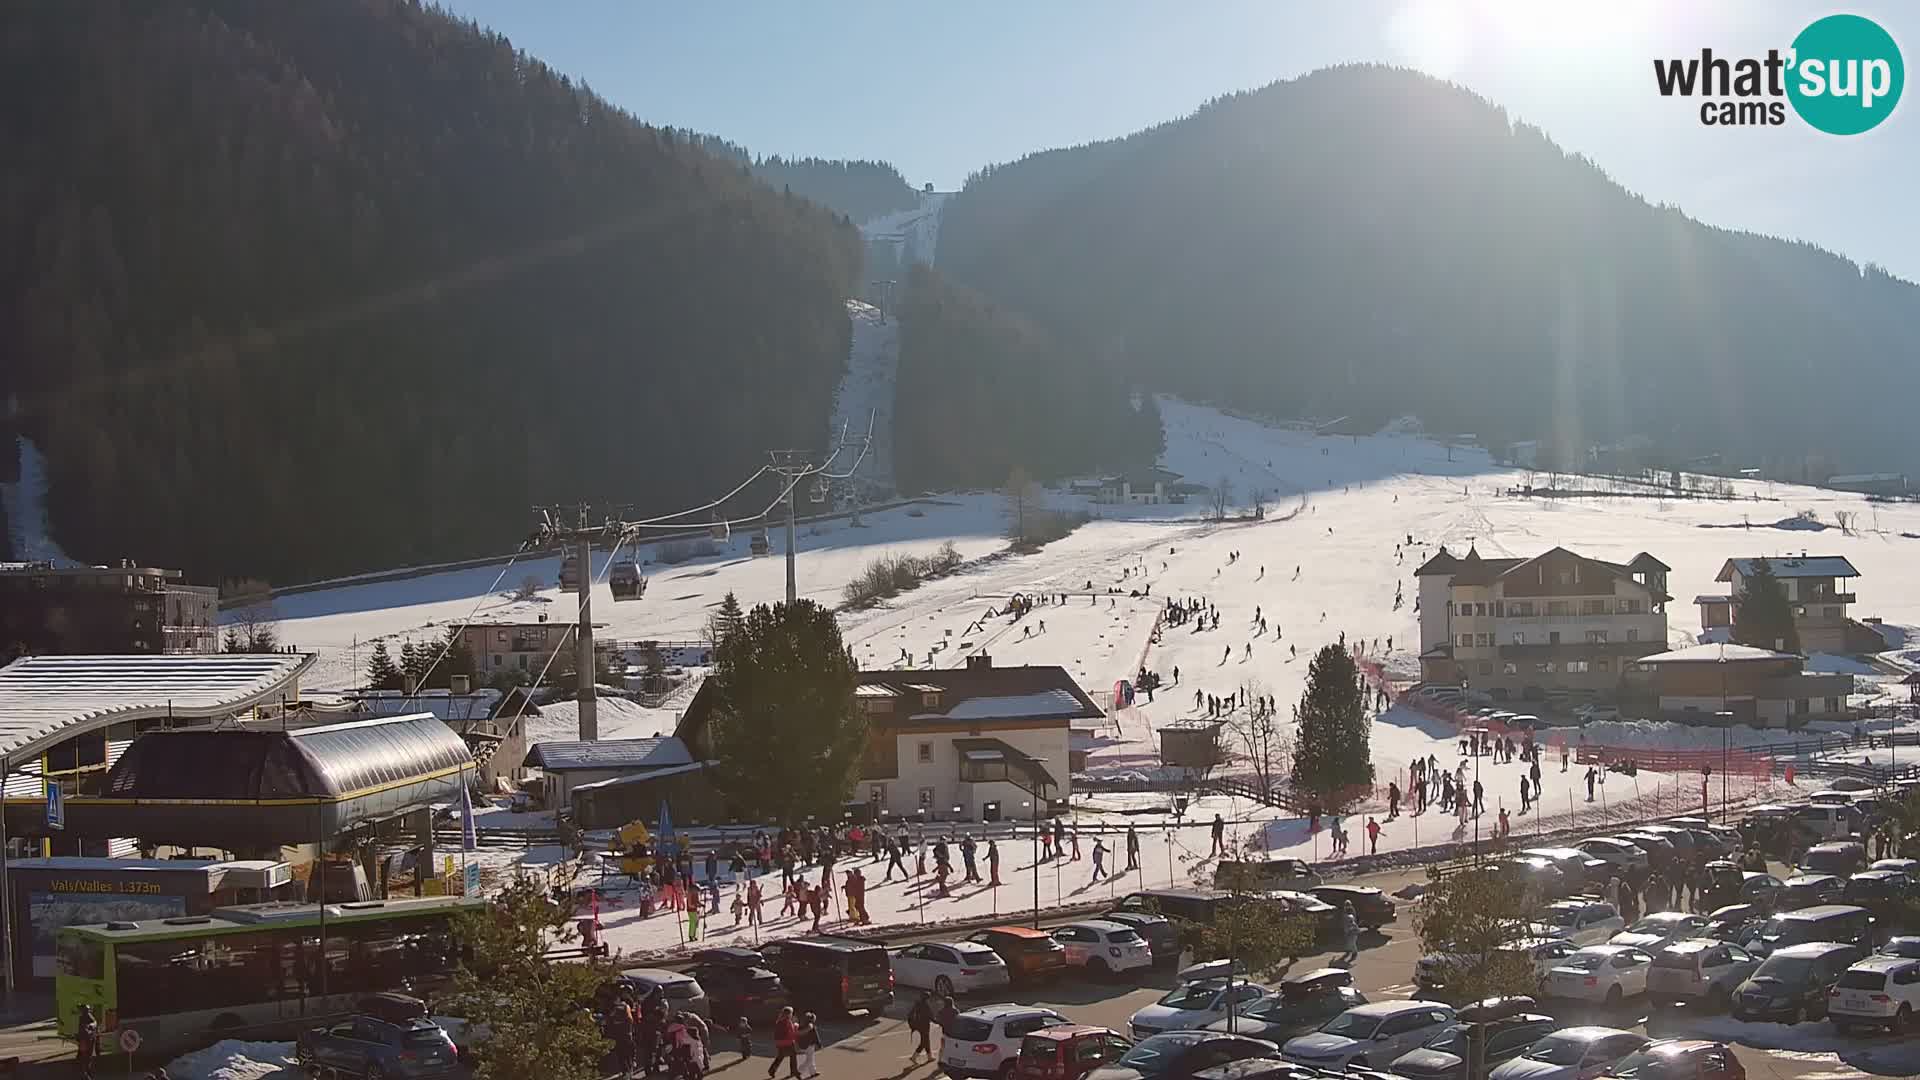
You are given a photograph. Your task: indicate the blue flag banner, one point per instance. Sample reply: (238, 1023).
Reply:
(468, 840)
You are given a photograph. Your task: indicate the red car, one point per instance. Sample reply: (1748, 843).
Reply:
(1680, 1059)
(1067, 1052)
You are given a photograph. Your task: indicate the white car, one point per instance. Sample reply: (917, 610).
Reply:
(1587, 714)
(980, 1042)
(1660, 929)
(1434, 971)
(1877, 990)
(1621, 855)
(1571, 1054)
(1910, 867)
(1103, 948)
(950, 967)
(1365, 1034)
(1583, 922)
(1604, 973)
(1194, 1006)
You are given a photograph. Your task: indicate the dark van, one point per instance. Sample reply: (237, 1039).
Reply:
(830, 974)
(1840, 924)
(1192, 905)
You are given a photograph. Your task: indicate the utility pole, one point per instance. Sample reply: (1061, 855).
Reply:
(583, 665)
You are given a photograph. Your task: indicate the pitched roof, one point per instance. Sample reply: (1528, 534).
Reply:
(1474, 570)
(656, 753)
(1792, 566)
(44, 699)
(1716, 653)
(1441, 562)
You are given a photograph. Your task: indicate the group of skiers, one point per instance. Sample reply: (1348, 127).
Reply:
(648, 1038)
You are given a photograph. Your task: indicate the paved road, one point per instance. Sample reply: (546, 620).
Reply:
(876, 1048)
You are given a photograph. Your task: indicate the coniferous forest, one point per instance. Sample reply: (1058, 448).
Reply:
(1369, 242)
(289, 290)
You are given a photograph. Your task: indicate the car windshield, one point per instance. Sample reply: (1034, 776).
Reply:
(425, 1036)
(681, 991)
(1039, 1047)
(1788, 969)
(1641, 1065)
(1583, 961)
(1123, 937)
(968, 1028)
(1352, 1025)
(1901, 946)
(1562, 916)
(1192, 996)
(1558, 1050)
(977, 954)
(868, 962)
(1451, 1039)
(1863, 980)
(1154, 1055)
(1655, 924)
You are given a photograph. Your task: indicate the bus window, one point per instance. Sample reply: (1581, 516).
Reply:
(80, 957)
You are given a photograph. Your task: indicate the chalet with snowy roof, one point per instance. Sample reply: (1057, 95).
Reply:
(1522, 628)
(1148, 486)
(978, 742)
(1759, 687)
(1819, 589)
(570, 768)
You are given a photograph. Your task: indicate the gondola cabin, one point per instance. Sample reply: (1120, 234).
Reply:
(570, 574)
(759, 544)
(626, 581)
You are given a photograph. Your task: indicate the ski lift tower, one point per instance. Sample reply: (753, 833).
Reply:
(796, 467)
(576, 541)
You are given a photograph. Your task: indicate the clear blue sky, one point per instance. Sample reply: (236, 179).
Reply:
(941, 89)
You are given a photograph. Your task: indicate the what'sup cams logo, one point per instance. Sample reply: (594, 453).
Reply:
(1842, 75)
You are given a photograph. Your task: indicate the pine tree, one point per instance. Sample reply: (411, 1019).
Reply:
(413, 663)
(1331, 750)
(522, 1005)
(725, 620)
(1764, 618)
(381, 672)
(784, 727)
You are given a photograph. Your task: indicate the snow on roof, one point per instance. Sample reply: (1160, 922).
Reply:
(1713, 598)
(478, 705)
(1715, 653)
(650, 774)
(1011, 706)
(1793, 566)
(609, 754)
(874, 690)
(44, 699)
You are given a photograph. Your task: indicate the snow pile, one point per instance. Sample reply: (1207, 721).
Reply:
(619, 718)
(235, 1059)
(25, 501)
(1877, 1054)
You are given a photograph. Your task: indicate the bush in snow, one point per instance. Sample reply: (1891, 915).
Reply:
(891, 575)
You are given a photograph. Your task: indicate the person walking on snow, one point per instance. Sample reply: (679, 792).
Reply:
(993, 864)
(1373, 836)
(1219, 836)
(1099, 858)
(1133, 848)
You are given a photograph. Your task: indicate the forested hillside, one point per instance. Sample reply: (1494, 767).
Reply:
(1370, 242)
(982, 389)
(859, 190)
(296, 289)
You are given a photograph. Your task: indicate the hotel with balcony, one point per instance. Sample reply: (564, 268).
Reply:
(1521, 629)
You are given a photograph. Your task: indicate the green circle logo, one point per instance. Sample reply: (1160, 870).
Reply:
(1847, 74)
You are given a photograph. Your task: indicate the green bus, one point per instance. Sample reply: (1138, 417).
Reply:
(254, 971)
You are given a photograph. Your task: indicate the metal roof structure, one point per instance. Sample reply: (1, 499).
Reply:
(1716, 653)
(333, 761)
(47, 699)
(1792, 566)
(656, 753)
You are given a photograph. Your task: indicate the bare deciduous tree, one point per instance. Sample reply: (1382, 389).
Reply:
(1023, 498)
(1222, 497)
(255, 623)
(529, 588)
(1259, 738)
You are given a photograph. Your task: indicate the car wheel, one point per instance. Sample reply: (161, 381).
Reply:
(1613, 997)
(1794, 1015)
(943, 986)
(1717, 1000)
(1098, 969)
(1901, 1021)
(1006, 1071)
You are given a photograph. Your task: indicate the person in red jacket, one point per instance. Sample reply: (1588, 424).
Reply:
(785, 1041)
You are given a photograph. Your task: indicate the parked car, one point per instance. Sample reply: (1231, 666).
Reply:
(681, 990)
(950, 967)
(1900, 946)
(1375, 1033)
(1728, 884)
(1810, 890)
(1536, 872)
(1444, 1057)
(1192, 905)
(1587, 714)
(1571, 1054)
(1699, 972)
(1843, 923)
(1302, 1003)
(1264, 875)
(1583, 922)
(1372, 908)
(1067, 1052)
(1734, 922)
(1622, 856)
(1181, 1055)
(835, 975)
(738, 983)
(1325, 916)
(981, 1042)
(1602, 973)
(1582, 870)
(1679, 1059)
(1883, 892)
(1880, 990)
(1660, 928)
(1904, 866)
(1102, 948)
(1161, 935)
(372, 1047)
(1791, 985)
(1031, 955)
(1193, 1006)
(1432, 974)
(1661, 851)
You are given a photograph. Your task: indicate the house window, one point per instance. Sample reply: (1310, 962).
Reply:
(877, 794)
(925, 753)
(1497, 612)
(1553, 667)
(1800, 706)
(1519, 637)
(1602, 664)
(1553, 637)
(1521, 609)
(1539, 667)
(1564, 577)
(1833, 704)
(1596, 637)
(1557, 607)
(1830, 612)
(496, 659)
(500, 637)
(1466, 641)
(1485, 641)
(1486, 667)
(1509, 668)
(926, 798)
(523, 661)
(1479, 609)
(930, 699)
(1633, 635)
(1576, 667)
(1629, 607)
(1593, 607)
